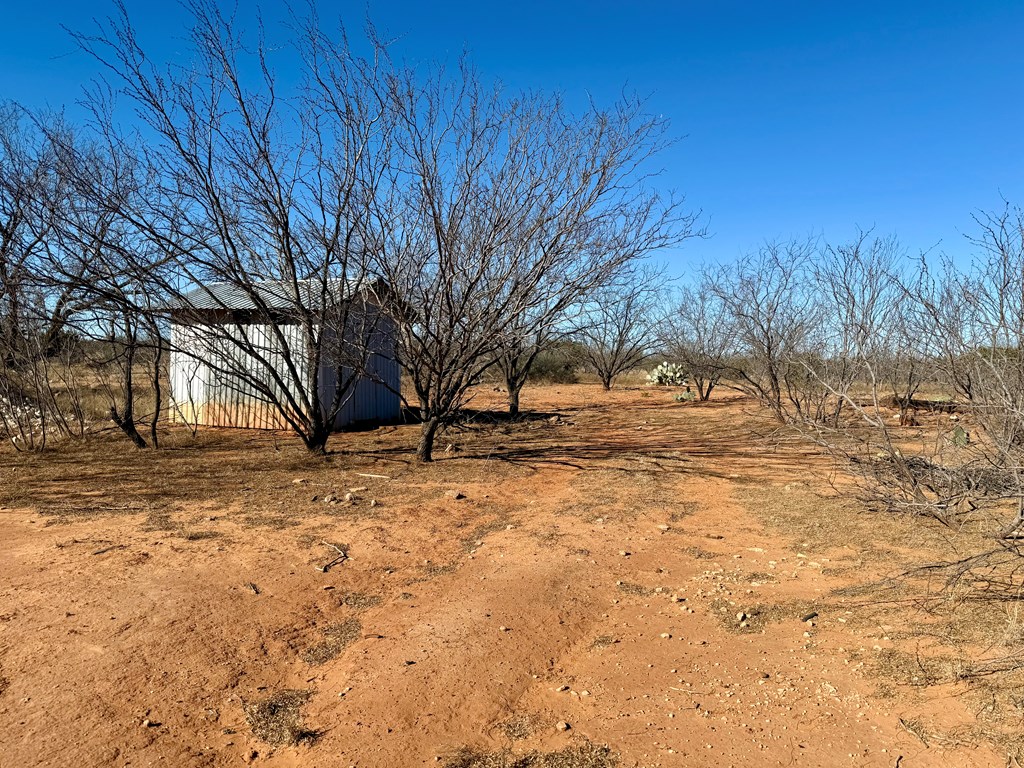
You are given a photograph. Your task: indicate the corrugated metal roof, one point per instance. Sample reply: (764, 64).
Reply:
(278, 295)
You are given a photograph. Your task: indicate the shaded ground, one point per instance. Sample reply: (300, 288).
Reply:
(673, 581)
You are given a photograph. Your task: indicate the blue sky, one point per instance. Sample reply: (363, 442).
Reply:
(798, 117)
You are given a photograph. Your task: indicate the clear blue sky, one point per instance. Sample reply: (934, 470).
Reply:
(798, 117)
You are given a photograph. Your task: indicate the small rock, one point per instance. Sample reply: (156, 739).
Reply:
(562, 689)
(665, 636)
(663, 527)
(455, 494)
(504, 629)
(584, 693)
(350, 496)
(373, 502)
(809, 616)
(299, 481)
(625, 553)
(741, 616)
(562, 726)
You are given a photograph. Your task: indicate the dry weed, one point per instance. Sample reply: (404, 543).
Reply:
(337, 637)
(582, 755)
(277, 719)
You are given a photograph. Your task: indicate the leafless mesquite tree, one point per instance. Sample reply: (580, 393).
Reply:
(698, 335)
(990, 297)
(501, 212)
(775, 322)
(37, 392)
(235, 184)
(622, 324)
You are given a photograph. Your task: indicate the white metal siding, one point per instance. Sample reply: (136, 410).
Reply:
(201, 394)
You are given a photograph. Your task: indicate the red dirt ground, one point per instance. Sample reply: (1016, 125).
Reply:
(593, 574)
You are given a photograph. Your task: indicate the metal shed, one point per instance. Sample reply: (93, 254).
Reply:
(207, 324)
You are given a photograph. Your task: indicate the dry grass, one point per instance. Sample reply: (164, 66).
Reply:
(757, 617)
(358, 601)
(519, 727)
(277, 719)
(337, 637)
(699, 554)
(582, 755)
(638, 590)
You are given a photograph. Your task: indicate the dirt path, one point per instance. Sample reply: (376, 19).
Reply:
(605, 570)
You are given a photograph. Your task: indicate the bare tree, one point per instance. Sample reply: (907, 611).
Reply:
(500, 212)
(775, 321)
(622, 324)
(37, 385)
(230, 189)
(699, 336)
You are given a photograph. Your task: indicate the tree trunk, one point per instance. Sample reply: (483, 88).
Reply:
(704, 390)
(126, 424)
(425, 450)
(157, 395)
(316, 439)
(513, 399)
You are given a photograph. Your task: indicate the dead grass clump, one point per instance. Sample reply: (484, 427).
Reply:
(755, 618)
(359, 601)
(159, 521)
(634, 589)
(519, 727)
(700, 554)
(4, 684)
(548, 537)
(682, 510)
(603, 641)
(277, 719)
(200, 535)
(582, 755)
(433, 570)
(911, 669)
(337, 637)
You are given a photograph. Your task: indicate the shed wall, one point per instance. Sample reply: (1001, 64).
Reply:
(204, 392)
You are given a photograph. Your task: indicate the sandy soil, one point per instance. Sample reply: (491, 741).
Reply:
(612, 567)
